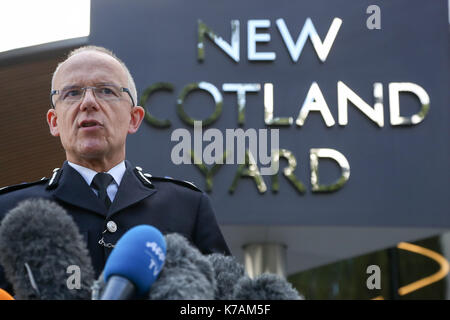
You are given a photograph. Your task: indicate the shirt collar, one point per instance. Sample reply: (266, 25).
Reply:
(88, 174)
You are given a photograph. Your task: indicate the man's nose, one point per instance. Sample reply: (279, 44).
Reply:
(88, 100)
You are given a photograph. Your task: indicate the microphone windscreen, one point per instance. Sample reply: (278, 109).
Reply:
(187, 274)
(267, 286)
(40, 239)
(5, 295)
(227, 271)
(138, 256)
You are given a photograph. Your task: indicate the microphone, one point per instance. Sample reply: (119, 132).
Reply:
(43, 254)
(97, 287)
(267, 286)
(134, 263)
(5, 295)
(227, 271)
(187, 274)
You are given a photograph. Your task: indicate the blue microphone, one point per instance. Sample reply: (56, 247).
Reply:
(134, 263)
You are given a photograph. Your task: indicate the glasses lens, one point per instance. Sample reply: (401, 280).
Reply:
(72, 94)
(107, 92)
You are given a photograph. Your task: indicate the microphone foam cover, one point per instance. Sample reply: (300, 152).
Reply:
(4, 295)
(40, 233)
(267, 286)
(227, 272)
(187, 274)
(138, 256)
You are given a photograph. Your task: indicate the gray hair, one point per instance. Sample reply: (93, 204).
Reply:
(131, 83)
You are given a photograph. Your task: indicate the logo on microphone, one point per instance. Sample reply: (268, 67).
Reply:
(156, 250)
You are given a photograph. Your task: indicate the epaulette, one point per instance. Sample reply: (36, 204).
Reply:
(54, 180)
(143, 177)
(22, 185)
(183, 183)
(147, 177)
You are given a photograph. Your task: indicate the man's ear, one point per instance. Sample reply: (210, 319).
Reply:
(137, 115)
(52, 123)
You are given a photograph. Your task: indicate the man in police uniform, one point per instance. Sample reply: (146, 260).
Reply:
(93, 109)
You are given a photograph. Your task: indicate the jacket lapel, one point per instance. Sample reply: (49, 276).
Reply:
(131, 190)
(73, 189)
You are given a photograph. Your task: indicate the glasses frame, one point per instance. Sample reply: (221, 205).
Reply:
(122, 89)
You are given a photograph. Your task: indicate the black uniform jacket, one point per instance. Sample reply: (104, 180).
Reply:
(167, 204)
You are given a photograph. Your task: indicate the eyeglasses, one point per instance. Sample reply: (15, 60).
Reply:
(74, 94)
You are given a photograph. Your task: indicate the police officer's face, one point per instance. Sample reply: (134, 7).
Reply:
(93, 129)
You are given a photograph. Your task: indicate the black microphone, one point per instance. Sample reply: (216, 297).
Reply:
(187, 274)
(43, 254)
(266, 286)
(227, 271)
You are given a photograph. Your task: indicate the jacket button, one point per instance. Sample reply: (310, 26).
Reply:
(111, 226)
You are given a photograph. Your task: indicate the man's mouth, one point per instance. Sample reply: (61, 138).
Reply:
(89, 124)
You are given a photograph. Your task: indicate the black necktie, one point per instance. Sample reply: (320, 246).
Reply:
(100, 182)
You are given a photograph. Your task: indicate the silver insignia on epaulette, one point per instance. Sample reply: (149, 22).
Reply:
(139, 170)
(55, 172)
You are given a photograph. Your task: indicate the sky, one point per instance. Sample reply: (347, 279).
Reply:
(26, 23)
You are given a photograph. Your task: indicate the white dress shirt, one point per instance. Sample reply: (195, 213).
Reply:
(88, 175)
